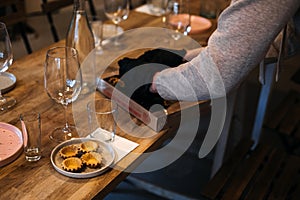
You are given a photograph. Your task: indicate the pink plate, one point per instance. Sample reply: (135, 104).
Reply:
(11, 143)
(199, 24)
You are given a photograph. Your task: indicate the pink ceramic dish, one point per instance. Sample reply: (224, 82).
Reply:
(11, 143)
(199, 24)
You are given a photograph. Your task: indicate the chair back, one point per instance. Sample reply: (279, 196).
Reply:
(52, 6)
(14, 14)
(48, 7)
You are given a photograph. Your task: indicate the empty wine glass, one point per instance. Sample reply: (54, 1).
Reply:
(178, 18)
(63, 80)
(6, 59)
(116, 11)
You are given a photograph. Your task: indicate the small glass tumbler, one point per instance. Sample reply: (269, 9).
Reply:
(102, 116)
(31, 129)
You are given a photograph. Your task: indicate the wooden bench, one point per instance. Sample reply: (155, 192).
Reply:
(266, 172)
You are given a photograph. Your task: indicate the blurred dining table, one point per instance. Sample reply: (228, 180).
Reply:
(21, 179)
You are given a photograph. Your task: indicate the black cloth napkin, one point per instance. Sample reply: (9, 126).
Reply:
(137, 74)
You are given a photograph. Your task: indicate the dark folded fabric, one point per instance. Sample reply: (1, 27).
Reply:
(168, 57)
(137, 74)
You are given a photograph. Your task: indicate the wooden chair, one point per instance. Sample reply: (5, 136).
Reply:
(48, 7)
(269, 69)
(267, 172)
(15, 15)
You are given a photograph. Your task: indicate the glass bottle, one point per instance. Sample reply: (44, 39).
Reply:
(79, 34)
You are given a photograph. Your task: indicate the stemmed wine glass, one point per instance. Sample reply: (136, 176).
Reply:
(63, 81)
(116, 11)
(178, 18)
(6, 59)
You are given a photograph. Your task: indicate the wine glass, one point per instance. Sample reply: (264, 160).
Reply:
(6, 59)
(178, 18)
(63, 81)
(116, 11)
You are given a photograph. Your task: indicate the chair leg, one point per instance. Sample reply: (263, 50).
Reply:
(25, 38)
(130, 4)
(52, 27)
(263, 101)
(92, 8)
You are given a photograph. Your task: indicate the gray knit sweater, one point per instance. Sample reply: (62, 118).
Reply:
(245, 32)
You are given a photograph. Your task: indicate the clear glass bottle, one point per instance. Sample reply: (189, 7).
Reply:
(80, 35)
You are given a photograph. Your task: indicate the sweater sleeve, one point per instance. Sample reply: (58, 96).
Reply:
(245, 31)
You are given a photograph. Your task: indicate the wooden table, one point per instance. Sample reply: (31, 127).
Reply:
(39, 180)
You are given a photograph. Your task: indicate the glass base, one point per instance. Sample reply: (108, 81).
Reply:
(7, 102)
(32, 158)
(115, 44)
(103, 135)
(32, 154)
(62, 134)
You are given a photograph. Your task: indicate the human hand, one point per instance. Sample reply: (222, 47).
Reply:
(153, 85)
(138, 74)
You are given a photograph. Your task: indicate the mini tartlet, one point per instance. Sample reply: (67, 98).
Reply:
(92, 159)
(69, 151)
(72, 164)
(88, 146)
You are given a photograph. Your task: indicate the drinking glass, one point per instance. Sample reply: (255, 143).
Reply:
(63, 81)
(102, 116)
(6, 59)
(178, 18)
(97, 29)
(31, 129)
(116, 11)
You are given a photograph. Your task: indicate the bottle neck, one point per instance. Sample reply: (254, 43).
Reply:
(79, 5)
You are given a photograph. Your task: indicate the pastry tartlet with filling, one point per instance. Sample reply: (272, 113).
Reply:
(72, 164)
(69, 151)
(88, 146)
(92, 159)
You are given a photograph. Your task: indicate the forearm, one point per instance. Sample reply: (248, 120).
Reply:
(244, 33)
(191, 54)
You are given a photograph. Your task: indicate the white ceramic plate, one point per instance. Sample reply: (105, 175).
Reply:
(11, 143)
(105, 149)
(7, 82)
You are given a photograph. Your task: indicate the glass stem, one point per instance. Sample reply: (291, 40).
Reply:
(116, 34)
(2, 102)
(2, 99)
(66, 128)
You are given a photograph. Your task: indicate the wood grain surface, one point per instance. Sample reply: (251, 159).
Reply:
(39, 180)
